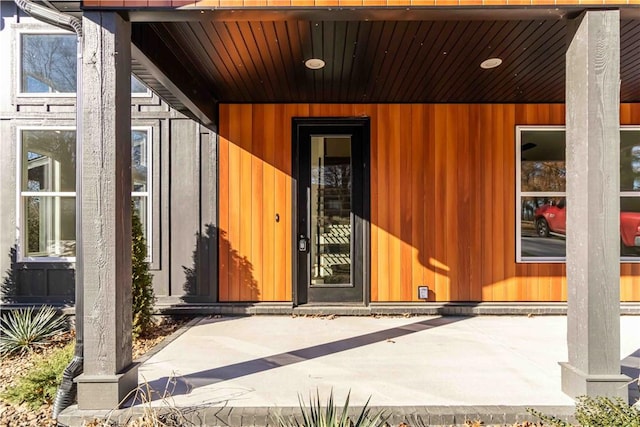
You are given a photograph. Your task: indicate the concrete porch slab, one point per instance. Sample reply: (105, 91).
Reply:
(238, 370)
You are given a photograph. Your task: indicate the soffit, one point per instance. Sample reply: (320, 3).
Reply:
(390, 60)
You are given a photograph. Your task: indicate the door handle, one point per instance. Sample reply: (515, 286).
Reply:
(303, 245)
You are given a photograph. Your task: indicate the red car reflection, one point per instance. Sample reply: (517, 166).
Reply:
(552, 219)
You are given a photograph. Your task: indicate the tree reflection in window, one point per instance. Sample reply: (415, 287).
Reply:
(48, 63)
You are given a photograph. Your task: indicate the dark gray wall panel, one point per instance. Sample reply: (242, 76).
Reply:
(183, 194)
(31, 282)
(185, 209)
(61, 283)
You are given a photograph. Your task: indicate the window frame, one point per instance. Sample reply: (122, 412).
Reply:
(43, 32)
(55, 31)
(520, 194)
(147, 94)
(149, 193)
(20, 195)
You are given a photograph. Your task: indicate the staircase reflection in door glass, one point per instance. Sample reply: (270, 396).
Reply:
(330, 210)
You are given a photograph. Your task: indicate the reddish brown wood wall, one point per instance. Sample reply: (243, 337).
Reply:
(442, 208)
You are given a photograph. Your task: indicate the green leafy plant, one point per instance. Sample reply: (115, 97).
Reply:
(317, 416)
(40, 384)
(597, 412)
(25, 329)
(141, 280)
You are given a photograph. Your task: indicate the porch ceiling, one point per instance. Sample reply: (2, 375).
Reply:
(383, 57)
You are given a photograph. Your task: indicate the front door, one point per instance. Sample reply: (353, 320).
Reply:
(331, 169)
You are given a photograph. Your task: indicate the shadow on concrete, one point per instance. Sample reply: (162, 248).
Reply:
(172, 386)
(630, 366)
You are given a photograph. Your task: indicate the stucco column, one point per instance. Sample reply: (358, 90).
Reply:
(593, 206)
(104, 259)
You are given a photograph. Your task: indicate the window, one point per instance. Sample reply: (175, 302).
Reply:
(141, 179)
(47, 193)
(48, 63)
(47, 197)
(541, 188)
(138, 89)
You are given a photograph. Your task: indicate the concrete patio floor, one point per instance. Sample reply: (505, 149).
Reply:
(239, 369)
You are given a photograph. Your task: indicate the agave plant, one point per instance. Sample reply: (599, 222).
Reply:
(317, 416)
(23, 330)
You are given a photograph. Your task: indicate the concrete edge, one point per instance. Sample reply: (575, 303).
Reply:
(381, 309)
(414, 416)
(167, 340)
(172, 307)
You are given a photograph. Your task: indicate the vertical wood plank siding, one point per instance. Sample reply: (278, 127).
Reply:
(442, 202)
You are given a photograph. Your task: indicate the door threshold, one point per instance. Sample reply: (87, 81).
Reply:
(332, 304)
(336, 309)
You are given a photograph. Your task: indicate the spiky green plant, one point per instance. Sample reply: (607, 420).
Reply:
(315, 415)
(597, 411)
(25, 329)
(141, 280)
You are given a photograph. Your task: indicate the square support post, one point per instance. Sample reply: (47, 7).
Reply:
(593, 213)
(104, 256)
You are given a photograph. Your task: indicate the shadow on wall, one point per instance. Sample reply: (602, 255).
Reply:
(193, 275)
(245, 282)
(202, 275)
(9, 287)
(37, 283)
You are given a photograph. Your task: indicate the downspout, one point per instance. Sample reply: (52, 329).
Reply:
(67, 390)
(51, 16)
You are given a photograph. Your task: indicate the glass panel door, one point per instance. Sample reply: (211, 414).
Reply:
(332, 210)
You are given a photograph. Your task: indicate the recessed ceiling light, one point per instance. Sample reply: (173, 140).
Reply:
(491, 63)
(314, 63)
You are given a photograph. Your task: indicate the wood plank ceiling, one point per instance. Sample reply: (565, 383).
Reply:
(423, 61)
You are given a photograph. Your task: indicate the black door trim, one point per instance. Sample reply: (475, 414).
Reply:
(300, 126)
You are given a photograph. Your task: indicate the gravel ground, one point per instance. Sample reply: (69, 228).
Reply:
(14, 367)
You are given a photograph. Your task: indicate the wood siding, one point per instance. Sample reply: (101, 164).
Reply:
(325, 3)
(442, 202)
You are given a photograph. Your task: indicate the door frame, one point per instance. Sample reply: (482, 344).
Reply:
(298, 124)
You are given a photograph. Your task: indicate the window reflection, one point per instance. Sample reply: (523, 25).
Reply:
(137, 87)
(330, 210)
(139, 159)
(543, 227)
(48, 190)
(630, 160)
(50, 159)
(48, 63)
(542, 202)
(50, 226)
(630, 226)
(48, 185)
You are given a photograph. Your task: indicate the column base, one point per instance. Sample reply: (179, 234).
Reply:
(577, 383)
(106, 391)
